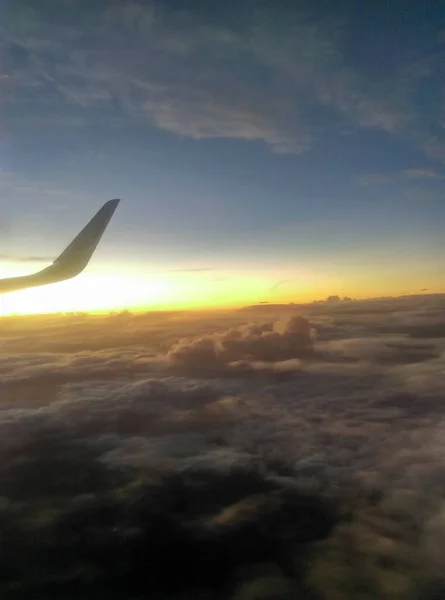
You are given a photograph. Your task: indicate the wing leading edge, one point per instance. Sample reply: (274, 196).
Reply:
(73, 259)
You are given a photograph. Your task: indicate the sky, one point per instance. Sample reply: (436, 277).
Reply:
(264, 151)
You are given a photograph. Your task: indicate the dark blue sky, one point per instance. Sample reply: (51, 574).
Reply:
(280, 140)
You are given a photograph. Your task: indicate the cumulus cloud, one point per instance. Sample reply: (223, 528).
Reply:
(346, 368)
(254, 345)
(166, 409)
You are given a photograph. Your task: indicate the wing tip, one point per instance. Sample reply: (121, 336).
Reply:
(112, 203)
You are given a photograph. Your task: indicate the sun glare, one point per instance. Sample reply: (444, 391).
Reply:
(88, 293)
(102, 293)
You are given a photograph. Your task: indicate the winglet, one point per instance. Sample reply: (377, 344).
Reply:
(77, 255)
(73, 259)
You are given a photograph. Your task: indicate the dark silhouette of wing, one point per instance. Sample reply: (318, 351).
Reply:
(73, 259)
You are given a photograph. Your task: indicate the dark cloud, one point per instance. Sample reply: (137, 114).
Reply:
(386, 350)
(256, 345)
(202, 519)
(215, 429)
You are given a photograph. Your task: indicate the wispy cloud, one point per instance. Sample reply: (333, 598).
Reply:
(39, 259)
(13, 185)
(279, 284)
(195, 270)
(200, 79)
(426, 172)
(372, 179)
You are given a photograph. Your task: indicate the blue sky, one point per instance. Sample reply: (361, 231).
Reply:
(248, 137)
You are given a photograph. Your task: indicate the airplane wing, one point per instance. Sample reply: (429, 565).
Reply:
(73, 259)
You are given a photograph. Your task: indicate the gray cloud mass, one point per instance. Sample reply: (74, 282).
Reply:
(348, 395)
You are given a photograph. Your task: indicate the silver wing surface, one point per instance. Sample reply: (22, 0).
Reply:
(73, 259)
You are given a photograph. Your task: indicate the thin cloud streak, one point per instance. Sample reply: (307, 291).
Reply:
(195, 270)
(279, 284)
(375, 179)
(13, 258)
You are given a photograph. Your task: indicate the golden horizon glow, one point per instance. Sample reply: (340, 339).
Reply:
(99, 292)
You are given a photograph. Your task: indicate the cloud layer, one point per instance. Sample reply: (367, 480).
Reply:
(345, 400)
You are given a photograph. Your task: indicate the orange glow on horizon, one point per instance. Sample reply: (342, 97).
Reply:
(103, 293)
(99, 292)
